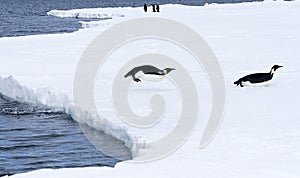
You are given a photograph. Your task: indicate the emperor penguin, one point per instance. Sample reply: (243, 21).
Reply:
(153, 8)
(157, 7)
(148, 73)
(257, 79)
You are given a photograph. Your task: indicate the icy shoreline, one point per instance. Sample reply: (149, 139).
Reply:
(10, 87)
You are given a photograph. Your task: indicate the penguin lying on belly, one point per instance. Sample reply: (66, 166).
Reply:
(257, 79)
(148, 73)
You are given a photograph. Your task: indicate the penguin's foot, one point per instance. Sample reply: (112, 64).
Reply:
(238, 83)
(137, 80)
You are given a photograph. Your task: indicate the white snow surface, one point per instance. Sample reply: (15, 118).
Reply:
(259, 136)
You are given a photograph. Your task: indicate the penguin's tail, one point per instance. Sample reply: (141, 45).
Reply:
(128, 74)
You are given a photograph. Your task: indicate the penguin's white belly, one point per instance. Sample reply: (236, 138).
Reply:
(149, 77)
(152, 78)
(262, 84)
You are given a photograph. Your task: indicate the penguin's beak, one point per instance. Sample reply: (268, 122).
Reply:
(171, 69)
(168, 70)
(278, 67)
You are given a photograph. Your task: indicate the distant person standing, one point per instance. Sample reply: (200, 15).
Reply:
(153, 8)
(157, 7)
(145, 7)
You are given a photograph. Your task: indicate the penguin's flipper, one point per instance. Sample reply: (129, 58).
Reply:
(136, 80)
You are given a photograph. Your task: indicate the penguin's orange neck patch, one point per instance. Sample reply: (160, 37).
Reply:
(272, 71)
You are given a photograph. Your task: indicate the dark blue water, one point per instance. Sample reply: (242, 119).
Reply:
(34, 137)
(29, 17)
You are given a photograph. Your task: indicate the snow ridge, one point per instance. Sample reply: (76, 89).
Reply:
(76, 14)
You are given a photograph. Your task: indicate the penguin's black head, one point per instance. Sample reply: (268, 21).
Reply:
(167, 70)
(275, 67)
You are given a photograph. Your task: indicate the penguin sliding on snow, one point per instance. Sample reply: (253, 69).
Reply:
(257, 79)
(148, 73)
